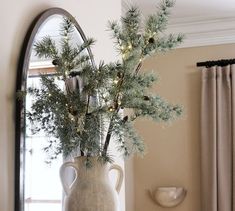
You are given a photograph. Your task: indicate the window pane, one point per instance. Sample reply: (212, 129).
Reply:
(43, 190)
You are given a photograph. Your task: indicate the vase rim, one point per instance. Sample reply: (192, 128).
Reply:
(95, 161)
(92, 158)
(84, 157)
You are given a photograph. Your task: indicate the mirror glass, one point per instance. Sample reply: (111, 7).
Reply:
(40, 187)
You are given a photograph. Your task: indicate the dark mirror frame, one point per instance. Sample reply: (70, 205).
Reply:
(21, 81)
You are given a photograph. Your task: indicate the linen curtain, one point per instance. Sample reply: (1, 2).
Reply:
(217, 139)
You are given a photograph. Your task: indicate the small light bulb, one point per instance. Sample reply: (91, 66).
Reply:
(49, 95)
(111, 109)
(122, 47)
(129, 46)
(66, 39)
(115, 81)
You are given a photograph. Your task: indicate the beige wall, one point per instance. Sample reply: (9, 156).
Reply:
(15, 18)
(173, 156)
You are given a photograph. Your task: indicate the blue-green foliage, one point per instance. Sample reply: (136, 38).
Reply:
(80, 117)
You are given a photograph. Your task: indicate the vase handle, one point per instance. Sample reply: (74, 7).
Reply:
(120, 176)
(65, 186)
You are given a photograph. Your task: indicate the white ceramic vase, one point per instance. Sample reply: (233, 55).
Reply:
(91, 189)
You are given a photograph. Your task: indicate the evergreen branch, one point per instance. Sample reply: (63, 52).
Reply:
(117, 35)
(168, 42)
(88, 102)
(67, 27)
(138, 68)
(131, 21)
(74, 117)
(82, 60)
(116, 109)
(86, 44)
(157, 22)
(46, 48)
(108, 137)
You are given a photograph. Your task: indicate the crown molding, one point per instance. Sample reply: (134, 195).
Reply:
(203, 31)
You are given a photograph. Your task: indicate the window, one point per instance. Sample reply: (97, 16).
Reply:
(43, 190)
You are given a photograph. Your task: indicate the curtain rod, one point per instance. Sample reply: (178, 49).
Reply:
(222, 62)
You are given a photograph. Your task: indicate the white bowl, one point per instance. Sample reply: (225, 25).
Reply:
(168, 196)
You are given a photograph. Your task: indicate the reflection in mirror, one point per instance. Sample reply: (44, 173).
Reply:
(38, 186)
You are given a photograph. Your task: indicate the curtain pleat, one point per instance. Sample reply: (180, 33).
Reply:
(217, 138)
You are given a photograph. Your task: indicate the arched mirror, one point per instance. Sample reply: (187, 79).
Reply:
(37, 185)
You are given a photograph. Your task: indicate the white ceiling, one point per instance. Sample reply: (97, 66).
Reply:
(190, 8)
(204, 22)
